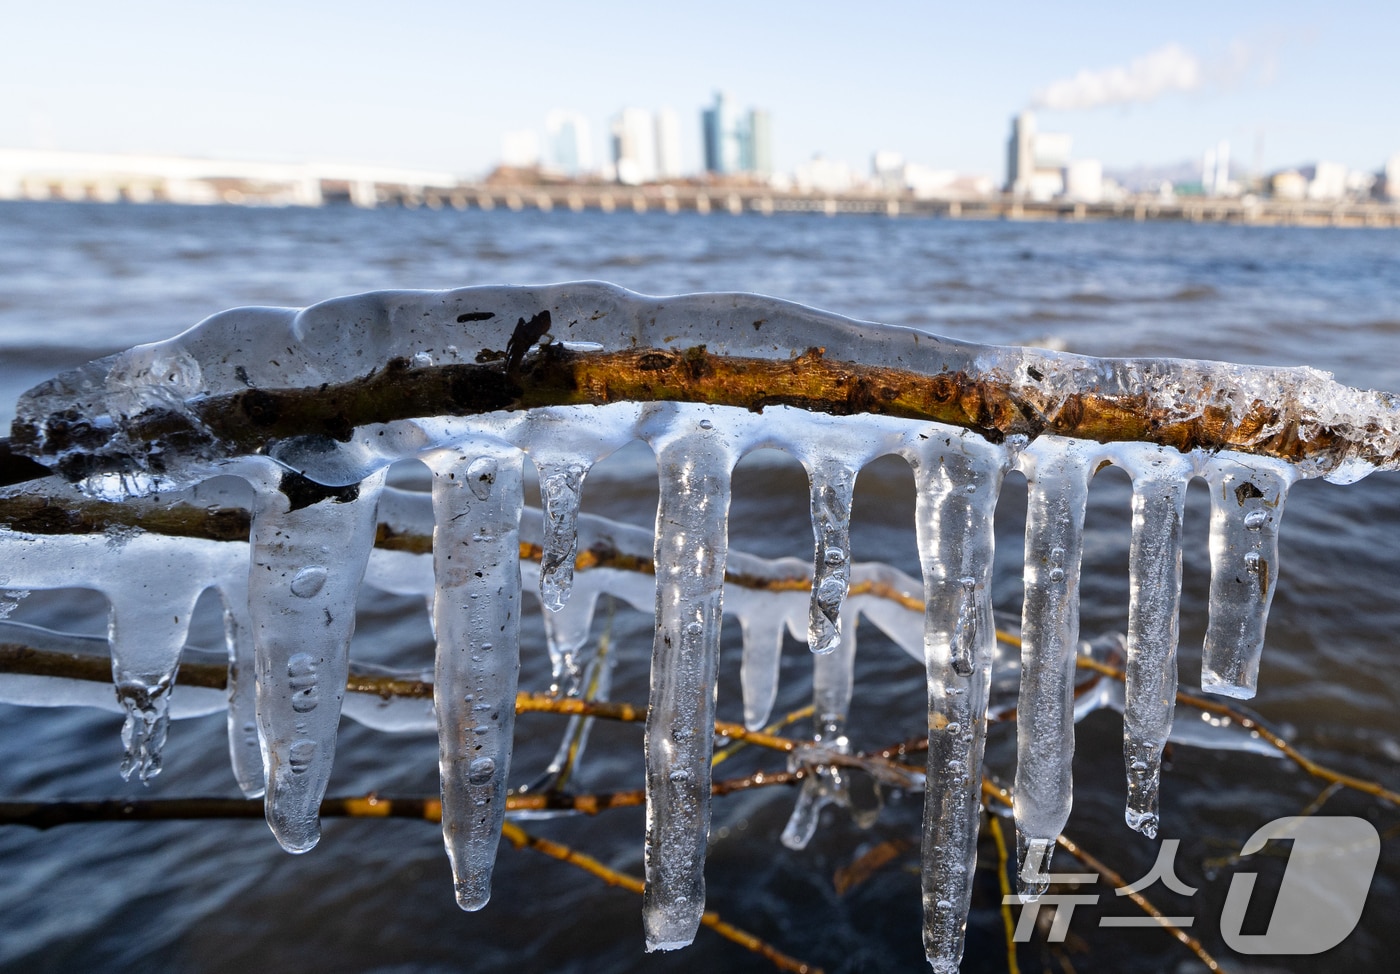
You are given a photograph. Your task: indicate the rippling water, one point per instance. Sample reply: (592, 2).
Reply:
(79, 281)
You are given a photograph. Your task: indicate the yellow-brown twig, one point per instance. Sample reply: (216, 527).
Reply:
(1109, 875)
(521, 839)
(997, 793)
(1373, 788)
(1004, 884)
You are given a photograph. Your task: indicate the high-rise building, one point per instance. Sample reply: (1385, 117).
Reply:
(1035, 161)
(668, 144)
(1215, 170)
(634, 146)
(569, 143)
(760, 142)
(729, 146)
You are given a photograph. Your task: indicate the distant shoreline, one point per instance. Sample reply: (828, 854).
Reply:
(757, 200)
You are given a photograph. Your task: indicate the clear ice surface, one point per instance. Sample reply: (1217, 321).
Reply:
(1246, 506)
(1159, 477)
(477, 502)
(957, 480)
(1057, 472)
(305, 569)
(291, 620)
(694, 459)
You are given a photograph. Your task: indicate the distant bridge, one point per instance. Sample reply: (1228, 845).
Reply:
(28, 174)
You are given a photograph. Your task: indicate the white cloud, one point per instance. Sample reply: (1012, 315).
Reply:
(1146, 78)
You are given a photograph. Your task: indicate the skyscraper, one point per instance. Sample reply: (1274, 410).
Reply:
(569, 143)
(727, 139)
(668, 144)
(1035, 161)
(760, 142)
(634, 138)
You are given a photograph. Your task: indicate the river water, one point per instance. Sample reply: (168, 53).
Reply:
(80, 281)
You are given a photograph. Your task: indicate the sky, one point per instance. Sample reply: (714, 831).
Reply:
(435, 84)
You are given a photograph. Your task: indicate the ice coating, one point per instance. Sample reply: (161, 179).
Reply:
(1154, 565)
(1057, 471)
(690, 547)
(477, 502)
(309, 550)
(316, 388)
(1246, 505)
(568, 373)
(957, 477)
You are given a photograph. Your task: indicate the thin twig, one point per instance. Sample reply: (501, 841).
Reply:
(1004, 884)
(997, 793)
(1373, 788)
(1112, 877)
(519, 838)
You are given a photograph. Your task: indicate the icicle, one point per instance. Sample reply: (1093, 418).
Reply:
(957, 478)
(477, 502)
(1246, 504)
(560, 484)
(595, 684)
(1058, 472)
(146, 628)
(762, 627)
(832, 484)
(1154, 563)
(310, 546)
(832, 675)
(691, 546)
(245, 750)
(566, 634)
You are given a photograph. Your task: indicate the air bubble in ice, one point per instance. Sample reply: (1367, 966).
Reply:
(481, 474)
(300, 756)
(301, 674)
(1255, 520)
(481, 770)
(310, 580)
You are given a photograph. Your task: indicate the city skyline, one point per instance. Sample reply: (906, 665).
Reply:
(1287, 86)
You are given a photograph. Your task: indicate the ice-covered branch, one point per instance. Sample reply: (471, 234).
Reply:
(327, 379)
(311, 407)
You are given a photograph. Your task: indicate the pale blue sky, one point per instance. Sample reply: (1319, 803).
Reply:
(430, 83)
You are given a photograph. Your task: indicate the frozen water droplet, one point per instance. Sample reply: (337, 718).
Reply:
(300, 755)
(1251, 562)
(830, 594)
(422, 360)
(705, 424)
(310, 580)
(481, 770)
(1057, 574)
(301, 678)
(834, 556)
(680, 775)
(945, 905)
(481, 475)
(1255, 520)
(953, 727)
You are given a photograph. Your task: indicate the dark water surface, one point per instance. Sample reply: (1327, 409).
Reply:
(79, 281)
